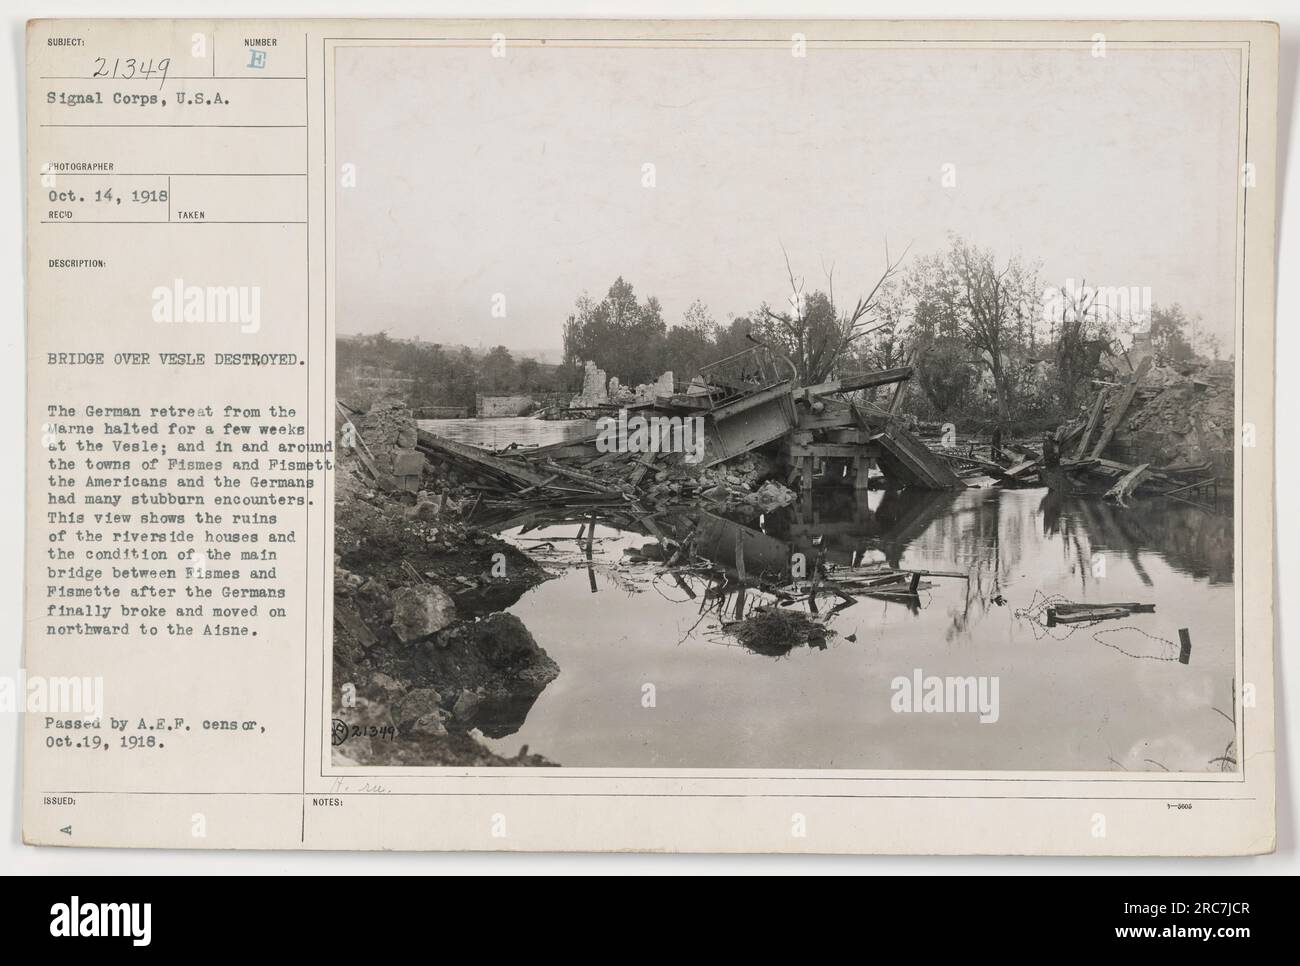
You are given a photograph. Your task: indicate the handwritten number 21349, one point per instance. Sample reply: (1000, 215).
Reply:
(127, 68)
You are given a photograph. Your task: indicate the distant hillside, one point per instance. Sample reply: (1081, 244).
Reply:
(431, 374)
(550, 355)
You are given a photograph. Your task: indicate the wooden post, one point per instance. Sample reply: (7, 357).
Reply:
(1097, 408)
(1121, 408)
(860, 473)
(1130, 481)
(900, 388)
(1185, 646)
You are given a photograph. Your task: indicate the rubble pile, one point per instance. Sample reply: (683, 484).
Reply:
(1166, 429)
(422, 654)
(1162, 430)
(385, 436)
(577, 473)
(1181, 415)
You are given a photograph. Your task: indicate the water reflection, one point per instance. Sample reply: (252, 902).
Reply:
(1197, 542)
(650, 597)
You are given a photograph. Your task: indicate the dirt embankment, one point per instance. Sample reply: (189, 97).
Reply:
(423, 654)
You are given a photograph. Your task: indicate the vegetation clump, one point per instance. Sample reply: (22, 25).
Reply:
(775, 633)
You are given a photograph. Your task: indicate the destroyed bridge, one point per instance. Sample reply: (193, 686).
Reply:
(748, 401)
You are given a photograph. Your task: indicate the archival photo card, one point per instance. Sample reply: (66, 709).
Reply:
(746, 436)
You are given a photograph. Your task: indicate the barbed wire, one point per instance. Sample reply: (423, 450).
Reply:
(1036, 615)
(1172, 649)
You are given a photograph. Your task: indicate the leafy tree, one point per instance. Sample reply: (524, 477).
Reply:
(945, 375)
(526, 374)
(620, 334)
(1169, 333)
(968, 293)
(497, 372)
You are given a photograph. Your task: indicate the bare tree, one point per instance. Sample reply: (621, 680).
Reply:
(1082, 323)
(815, 332)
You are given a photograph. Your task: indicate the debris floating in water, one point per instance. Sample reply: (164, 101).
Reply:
(775, 633)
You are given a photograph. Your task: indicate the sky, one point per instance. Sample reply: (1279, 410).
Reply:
(524, 176)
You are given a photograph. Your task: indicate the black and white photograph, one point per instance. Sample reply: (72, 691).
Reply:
(787, 405)
(650, 439)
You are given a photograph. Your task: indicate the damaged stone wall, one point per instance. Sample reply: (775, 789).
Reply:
(492, 407)
(598, 389)
(386, 438)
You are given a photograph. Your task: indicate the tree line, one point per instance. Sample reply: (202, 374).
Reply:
(431, 374)
(989, 343)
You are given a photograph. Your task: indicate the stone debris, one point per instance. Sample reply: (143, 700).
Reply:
(599, 389)
(421, 611)
(407, 633)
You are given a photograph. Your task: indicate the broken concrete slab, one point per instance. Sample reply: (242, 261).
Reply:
(421, 611)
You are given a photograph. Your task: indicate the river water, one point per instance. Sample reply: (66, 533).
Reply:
(651, 677)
